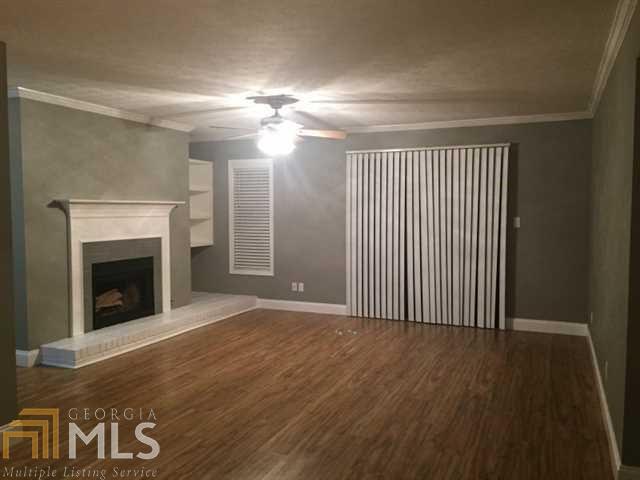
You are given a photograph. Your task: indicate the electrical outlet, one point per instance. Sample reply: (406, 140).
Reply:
(300, 287)
(606, 370)
(294, 286)
(516, 222)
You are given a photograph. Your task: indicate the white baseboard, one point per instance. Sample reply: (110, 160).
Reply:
(620, 472)
(606, 415)
(27, 358)
(310, 307)
(548, 326)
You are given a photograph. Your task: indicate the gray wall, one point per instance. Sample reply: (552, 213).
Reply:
(67, 153)
(8, 402)
(613, 143)
(309, 200)
(549, 190)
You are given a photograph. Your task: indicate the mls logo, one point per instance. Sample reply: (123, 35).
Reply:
(50, 424)
(42, 428)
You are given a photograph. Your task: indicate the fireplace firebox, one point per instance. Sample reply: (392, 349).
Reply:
(123, 290)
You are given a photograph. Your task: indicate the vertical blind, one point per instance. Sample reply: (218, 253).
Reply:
(426, 234)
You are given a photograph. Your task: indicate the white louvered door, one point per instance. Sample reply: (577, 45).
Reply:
(426, 234)
(251, 217)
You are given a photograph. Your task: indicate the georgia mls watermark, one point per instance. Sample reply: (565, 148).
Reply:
(41, 427)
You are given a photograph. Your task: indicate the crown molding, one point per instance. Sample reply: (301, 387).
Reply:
(619, 27)
(473, 122)
(21, 92)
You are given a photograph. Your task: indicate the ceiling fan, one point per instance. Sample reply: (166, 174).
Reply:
(277, 136)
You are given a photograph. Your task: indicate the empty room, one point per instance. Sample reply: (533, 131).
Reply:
(320, 240)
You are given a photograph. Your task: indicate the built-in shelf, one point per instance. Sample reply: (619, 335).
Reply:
(198, 244)
(201, 202)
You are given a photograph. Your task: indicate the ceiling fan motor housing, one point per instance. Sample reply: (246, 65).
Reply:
(274, 101)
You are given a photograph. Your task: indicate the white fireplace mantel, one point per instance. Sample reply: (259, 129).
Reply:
(111, 220)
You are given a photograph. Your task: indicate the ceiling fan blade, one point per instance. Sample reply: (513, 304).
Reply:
(382, 101)
(317, 122)
(240, 137)
(331, 134)
(201, 112)
(219, 127)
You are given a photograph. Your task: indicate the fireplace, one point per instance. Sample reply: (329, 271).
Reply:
(102, 231)
(122, 290)
(122, 281)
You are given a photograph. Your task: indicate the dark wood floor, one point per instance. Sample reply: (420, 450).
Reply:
(277, 395)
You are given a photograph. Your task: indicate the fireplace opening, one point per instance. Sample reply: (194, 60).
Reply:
(123, 290)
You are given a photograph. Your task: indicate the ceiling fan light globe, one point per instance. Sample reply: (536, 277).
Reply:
(276, 144)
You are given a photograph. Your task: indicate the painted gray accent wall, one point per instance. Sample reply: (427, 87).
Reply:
(549, 190)
(8, 392)
(309, 218)
(613, 154)
(68, 153)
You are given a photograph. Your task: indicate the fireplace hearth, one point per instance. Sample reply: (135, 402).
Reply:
(123, 290)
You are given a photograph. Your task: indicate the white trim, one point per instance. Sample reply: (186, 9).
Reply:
(548, 326)
(200, 162)
(473, 122)
(81, 201)
(606, 415)
(27, 358)
(581, 329)
(619, 27)
(232, 165)
(21, 92)
(309, 307)
(105, 220)
(617, 33)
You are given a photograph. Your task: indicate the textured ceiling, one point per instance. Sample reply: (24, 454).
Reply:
(352, 62)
